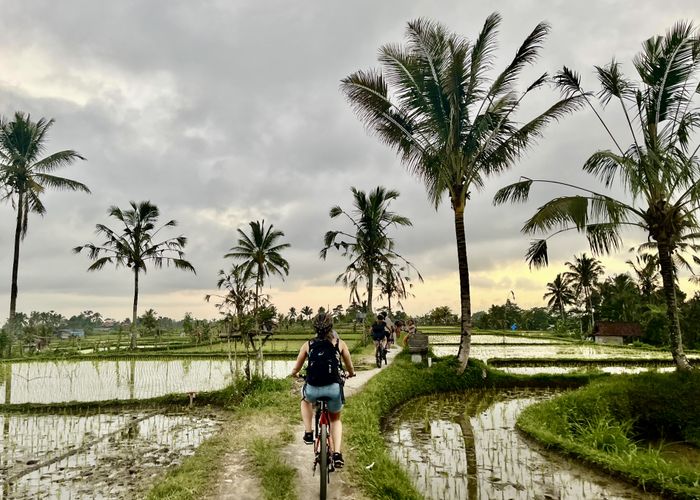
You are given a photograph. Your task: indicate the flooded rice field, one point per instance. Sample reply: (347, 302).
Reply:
(465, 446)
(560, 370)
(100, 380)
(95, 456)
(586, 351)
(493, 339)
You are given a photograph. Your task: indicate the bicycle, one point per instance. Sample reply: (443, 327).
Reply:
(323, 441)
(323, 445)
(380, 353)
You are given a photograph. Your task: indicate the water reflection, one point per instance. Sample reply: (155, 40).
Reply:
(466, 446)
(96, 456)
(97, 380)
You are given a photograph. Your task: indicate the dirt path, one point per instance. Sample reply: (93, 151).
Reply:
(300, 456)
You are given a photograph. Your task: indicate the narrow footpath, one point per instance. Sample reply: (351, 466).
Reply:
(300, 456)
(238, 482)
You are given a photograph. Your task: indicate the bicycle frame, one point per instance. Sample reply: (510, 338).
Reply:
(322, 418)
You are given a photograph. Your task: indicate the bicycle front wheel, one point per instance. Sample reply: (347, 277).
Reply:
(323, 462)
(378, 356)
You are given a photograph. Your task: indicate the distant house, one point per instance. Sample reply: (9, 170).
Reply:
(67, 333)
(610, 332)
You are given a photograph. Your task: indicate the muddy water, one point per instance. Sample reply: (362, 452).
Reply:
(62, 381)
(97, 456)
(466, 447)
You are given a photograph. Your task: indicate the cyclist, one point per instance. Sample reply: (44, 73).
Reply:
(390, 330)
(380, 334)
(323, 379)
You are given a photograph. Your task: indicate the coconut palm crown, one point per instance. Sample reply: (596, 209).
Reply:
(657, 164)
(135, 246)
(368, 245)
(25, 175)
(452, 123)
(260, 252)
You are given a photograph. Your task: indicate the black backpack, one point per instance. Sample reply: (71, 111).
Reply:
(324, 363)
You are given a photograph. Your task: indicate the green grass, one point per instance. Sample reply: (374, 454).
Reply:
(276, 477)
(263, 411)
(620, 424)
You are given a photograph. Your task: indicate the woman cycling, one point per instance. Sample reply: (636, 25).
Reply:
(324, 353)
(380, 334)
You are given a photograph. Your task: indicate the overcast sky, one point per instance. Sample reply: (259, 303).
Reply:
(222, 112)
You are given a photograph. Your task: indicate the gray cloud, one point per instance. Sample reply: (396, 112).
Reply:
(223, 112)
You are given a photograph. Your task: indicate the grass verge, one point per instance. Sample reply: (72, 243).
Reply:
(260, 423)
(617, 423)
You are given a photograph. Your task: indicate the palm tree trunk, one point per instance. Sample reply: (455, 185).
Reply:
(370, 288)
(669, 285)
(15, 257)
(465, 425)
(561, 310)
(132, 345)
(590, 309)
(464, 293)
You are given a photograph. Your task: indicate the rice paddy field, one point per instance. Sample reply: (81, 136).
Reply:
(452, 447)
(461, 446)
(97, 455)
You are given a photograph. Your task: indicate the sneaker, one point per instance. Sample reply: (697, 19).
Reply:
(308, 438)
(338, 461)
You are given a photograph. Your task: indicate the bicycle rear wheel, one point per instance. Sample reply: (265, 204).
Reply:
(323, 462)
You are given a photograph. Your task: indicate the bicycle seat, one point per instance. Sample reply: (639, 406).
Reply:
(325, 399)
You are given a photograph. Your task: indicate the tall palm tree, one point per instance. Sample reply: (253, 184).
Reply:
(451, 123)
(559, 295)
(368, 246)
(135, 246)
(646, 269)
(394, 280)
(619, 298)
(25, 173)
(583, 275)
(292, 314)
(237, 284)
(260, 253)
(307, 311)
(660, 169)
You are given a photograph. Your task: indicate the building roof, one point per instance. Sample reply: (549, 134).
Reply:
(615, 329)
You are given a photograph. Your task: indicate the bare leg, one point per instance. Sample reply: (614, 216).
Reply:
(336, 431)
(307, 414)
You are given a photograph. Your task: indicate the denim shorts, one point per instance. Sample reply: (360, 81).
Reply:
(311, 392)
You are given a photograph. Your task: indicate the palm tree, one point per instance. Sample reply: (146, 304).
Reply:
(237, 284)
(660, 169)
(25, 175)
(136, 246)
(646, 269)
(619, 298)
(368, 247)
(450, 122)
(292, 314)
(260, 252)
(559, 295)
(394, 280)
(307, 311)
(583, 275)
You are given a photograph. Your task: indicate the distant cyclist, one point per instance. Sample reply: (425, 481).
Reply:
(324, 353)
(380, 334)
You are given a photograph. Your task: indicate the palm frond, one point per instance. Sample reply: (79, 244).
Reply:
(517, 192)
